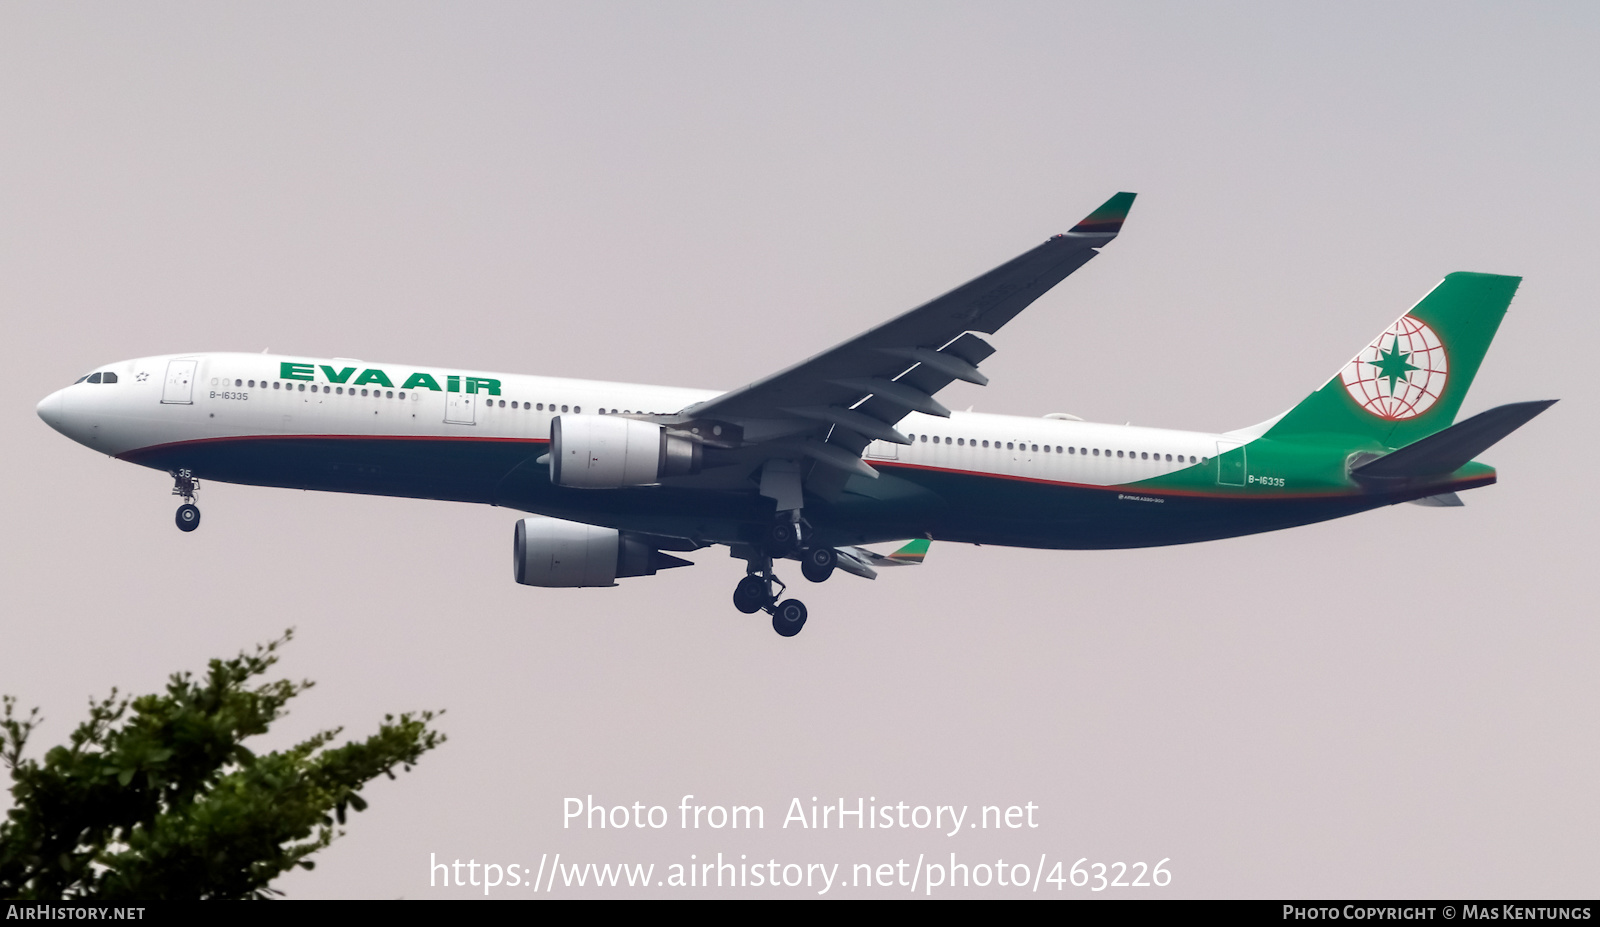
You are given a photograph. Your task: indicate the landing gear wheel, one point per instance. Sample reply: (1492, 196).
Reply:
(817, 563)
(750, 595)
(188, 516)
(789, 617)
(781, 538)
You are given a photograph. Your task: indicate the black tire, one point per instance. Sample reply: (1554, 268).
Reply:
(817, 564)
(750, 594)
(789, 617)
(781, 538)
(188, 517)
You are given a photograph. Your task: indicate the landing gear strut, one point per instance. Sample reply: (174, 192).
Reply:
(756, 593)
(781, 481)
(184, 486)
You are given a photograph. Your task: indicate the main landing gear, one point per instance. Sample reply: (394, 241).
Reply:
(184, 485)
(756, 593)
(817, 563)
(761, 589)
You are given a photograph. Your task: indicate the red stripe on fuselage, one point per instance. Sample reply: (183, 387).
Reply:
(1152, 491)
(126, 455)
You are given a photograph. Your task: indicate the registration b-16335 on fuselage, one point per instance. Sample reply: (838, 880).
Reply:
(846, 449)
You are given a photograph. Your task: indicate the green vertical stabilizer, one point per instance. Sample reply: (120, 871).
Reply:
(1410, 381)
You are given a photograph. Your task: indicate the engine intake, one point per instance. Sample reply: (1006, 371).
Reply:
(610, 452)
(555, 553)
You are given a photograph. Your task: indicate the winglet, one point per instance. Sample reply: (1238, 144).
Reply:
(1108, 219)
(912, 552)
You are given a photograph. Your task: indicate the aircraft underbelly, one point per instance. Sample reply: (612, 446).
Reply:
(963, 507)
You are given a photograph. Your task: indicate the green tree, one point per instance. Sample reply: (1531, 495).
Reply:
(157, 797)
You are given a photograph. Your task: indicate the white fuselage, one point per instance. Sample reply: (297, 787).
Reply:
(246, 395)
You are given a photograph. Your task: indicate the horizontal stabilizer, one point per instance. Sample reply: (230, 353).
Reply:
(1444, 500)
(1449, 450)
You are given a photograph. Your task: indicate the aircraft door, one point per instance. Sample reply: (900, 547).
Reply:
(180, 382)
(1230, 463)
(461, 408)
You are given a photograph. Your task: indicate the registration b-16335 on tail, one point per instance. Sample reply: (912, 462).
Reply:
(811, 464)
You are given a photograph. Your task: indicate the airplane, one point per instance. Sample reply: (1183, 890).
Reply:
(842, 450)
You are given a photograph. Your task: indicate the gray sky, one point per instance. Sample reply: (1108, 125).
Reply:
(1397, 704)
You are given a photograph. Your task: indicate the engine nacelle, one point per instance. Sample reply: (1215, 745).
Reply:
(609, 452)
(565, 554)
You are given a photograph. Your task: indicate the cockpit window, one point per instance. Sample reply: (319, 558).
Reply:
(80, 379)
(94, 378)
(109, 377)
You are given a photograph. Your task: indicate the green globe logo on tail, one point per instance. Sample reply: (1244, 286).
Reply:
(1401, 374)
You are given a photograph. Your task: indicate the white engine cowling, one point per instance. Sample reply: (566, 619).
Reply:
(609, 452)
(553, 552)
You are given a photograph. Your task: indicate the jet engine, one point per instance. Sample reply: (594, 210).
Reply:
(555, 553)
(609, 452)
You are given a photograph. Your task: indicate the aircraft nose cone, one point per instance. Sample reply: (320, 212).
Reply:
(50, 409)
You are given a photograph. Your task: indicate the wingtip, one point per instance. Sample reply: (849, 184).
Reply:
(914, 552)
(1108, 219)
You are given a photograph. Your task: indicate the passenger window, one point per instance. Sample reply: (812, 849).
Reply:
(276, 384)
(563, 408)
(961, 441)
(576, 410)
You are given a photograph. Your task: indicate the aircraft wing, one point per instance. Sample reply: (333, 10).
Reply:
(861, 561)
(830, 407)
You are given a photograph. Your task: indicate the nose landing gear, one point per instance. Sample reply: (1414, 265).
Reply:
(188, 516)
(184, 486)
